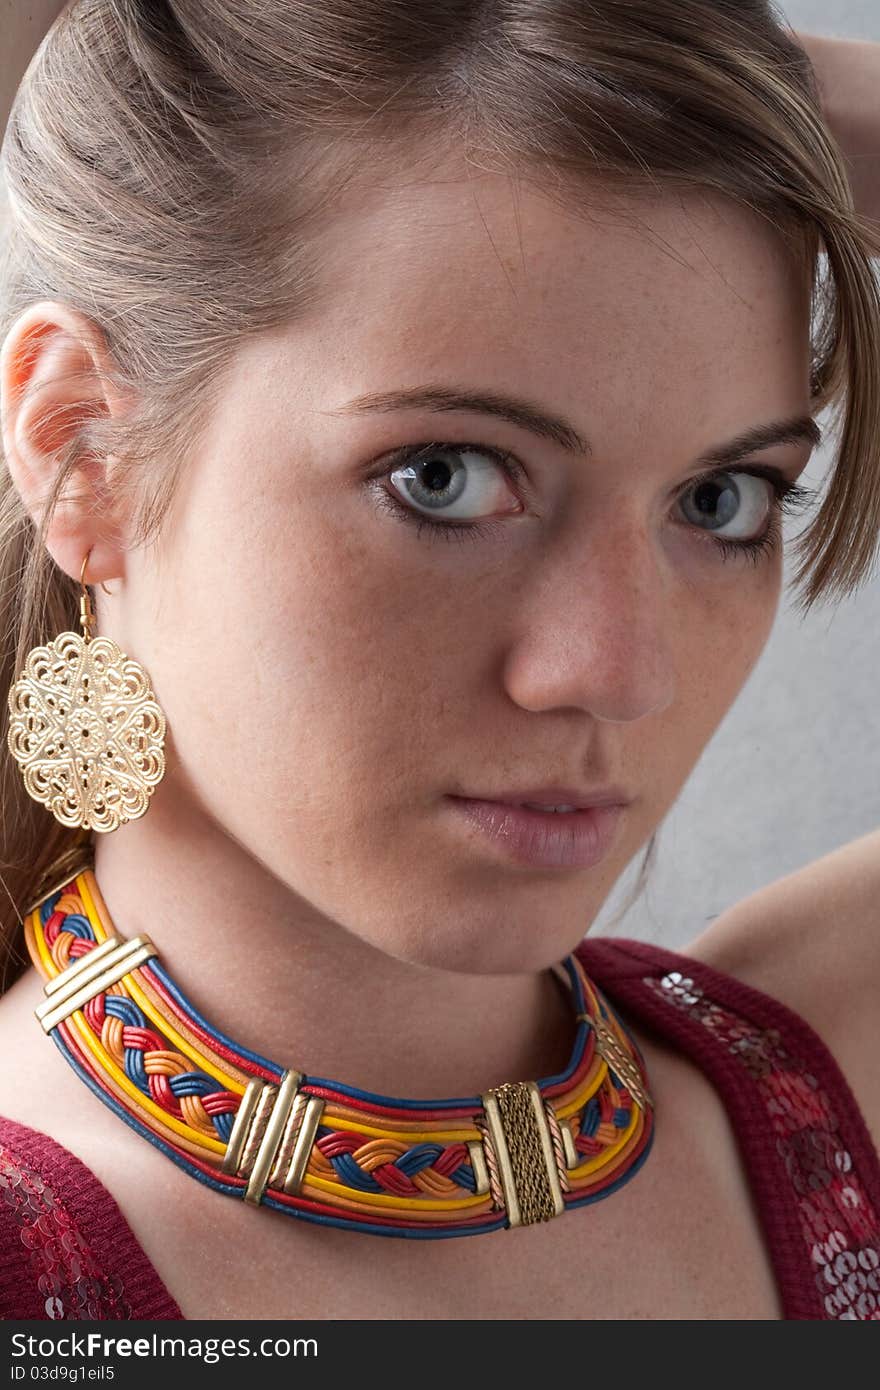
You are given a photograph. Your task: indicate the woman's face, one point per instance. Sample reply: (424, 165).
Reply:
(331, 673)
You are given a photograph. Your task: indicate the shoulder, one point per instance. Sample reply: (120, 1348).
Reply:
(17, 1039)
(812, 940)
(32, 1092)
(86, 1195)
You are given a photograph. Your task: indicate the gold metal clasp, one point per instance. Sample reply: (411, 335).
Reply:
(609, 1047)
(272, 1135)
(523, 1148)
(91, 974)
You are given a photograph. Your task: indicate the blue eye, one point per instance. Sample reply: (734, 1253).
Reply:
(431, 477)
(745, 497)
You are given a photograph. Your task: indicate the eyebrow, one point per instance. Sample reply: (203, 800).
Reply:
(528, 416)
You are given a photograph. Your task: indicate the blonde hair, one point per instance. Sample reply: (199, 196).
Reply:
(169, 166)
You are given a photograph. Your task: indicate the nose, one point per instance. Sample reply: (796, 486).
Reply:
(595, 629)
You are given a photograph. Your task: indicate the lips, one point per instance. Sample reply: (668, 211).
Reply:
(542, 839)
(544, 798)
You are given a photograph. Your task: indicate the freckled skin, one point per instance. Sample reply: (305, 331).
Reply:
(328, 674)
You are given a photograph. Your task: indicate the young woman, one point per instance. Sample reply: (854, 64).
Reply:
(308, 811)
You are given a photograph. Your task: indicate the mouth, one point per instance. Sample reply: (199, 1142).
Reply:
(558, 798)
(538, 837)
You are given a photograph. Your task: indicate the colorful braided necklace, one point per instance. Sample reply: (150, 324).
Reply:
(522, 1152)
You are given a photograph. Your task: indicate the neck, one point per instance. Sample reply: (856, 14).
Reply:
(282, 980)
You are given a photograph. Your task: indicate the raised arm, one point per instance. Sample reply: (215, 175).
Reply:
(848, 73)
(23, 26)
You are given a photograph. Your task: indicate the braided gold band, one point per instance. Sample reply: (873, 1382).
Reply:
(623, 1066)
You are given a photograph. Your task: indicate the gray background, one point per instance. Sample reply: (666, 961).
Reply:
(792, 772)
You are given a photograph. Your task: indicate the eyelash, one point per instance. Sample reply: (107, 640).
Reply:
(786, 497)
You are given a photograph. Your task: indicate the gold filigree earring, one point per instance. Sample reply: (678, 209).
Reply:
(86, 729)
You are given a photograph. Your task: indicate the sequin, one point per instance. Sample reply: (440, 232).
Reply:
(66, 1273)
(841, 1228)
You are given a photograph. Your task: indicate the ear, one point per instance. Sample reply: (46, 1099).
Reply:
(53, 376)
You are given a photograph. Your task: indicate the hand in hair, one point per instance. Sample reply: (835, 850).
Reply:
(848, 74)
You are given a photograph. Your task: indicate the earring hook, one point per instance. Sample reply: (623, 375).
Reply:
(86, 611)
(83, 571)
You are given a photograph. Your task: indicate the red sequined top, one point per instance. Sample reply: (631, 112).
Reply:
(67, 1252)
